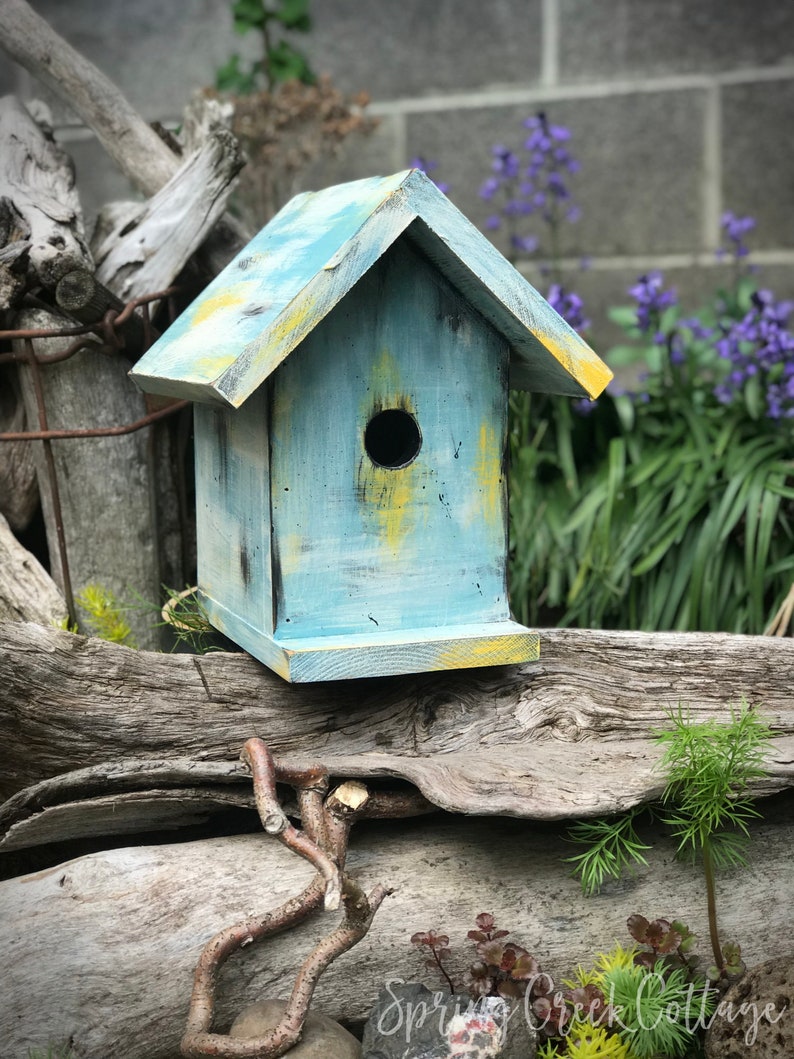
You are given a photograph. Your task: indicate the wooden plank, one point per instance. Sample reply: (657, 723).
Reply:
(233, 513)
(570, 734)
(103, 947)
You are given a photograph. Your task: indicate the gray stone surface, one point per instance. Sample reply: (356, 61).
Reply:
(157, 53)
(641, 154)
(755, 1019)
(758, 157)
(409, 1021)
(613, 39)
(322, 1038)
(420, 48)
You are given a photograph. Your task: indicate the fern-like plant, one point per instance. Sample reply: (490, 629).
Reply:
(709, 767)
(105, 615)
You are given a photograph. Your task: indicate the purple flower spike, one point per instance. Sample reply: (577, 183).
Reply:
(651, 300)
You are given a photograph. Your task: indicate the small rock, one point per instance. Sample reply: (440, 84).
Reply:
(322, 1038)
(411, 1022)
(755, 1018)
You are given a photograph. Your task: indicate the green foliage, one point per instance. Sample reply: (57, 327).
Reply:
(281, 60)
(612, 846)
(52, 1051)
(709, 766)
(655, 1010)
(187, 619)
(669, 513)
(105, 615)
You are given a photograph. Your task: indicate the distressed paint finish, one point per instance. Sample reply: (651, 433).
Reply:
(232, 505)
(333, 543)
(251, 317)
(365, 547)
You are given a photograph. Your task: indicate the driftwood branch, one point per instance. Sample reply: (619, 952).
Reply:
(569, 735)
(39, 206)
(135, 147)
(147, 250)
(110, 941)
(330, 884)
(27, 592)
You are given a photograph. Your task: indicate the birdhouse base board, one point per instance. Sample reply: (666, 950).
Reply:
(342, 657)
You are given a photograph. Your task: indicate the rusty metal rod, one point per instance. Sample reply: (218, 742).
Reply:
(95, 432)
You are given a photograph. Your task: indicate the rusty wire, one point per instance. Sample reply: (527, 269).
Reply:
(112, 343)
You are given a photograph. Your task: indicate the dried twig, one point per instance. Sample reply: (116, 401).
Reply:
(324, 843)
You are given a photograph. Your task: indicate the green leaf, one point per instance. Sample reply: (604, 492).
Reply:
(753, 397)
(248, 15)
(623, 315)
(294, 15)
(286, 63)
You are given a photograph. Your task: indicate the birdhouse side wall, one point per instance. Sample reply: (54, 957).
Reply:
(361, 546)
(233, 511)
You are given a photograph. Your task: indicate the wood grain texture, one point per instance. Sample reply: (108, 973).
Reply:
(568, 735)
(103, 947)
(27, 592)
(40, 205)
(104, 482)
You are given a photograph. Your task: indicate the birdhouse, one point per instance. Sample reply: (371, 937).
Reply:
(350, 372)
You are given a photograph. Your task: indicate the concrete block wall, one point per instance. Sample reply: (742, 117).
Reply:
(679, 109)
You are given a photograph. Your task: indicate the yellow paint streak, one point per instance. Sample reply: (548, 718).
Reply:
(394, 506)
(289, 553)
(586, 367)
(294, 324)
(224, 301)
(488, 473)
(486, 651)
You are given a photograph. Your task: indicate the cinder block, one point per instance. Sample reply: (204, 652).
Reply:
(612, 39)
(420, 48)
(641, 154)
(758, 157)
(157, 53)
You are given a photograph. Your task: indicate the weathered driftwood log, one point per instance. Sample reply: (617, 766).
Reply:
(19, 490)
(103, 482)
(134, 146)
(103, 947)
(27, 592)
(147, 251)
(39, 205)
(569, 735)
(131, 143)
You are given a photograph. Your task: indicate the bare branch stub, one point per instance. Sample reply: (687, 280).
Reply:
(324, 844)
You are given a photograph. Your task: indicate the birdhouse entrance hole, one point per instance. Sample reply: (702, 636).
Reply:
(392, 438)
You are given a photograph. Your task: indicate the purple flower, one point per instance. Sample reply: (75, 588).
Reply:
(569, 305)
(761, 346)
(736, 228)
(534, 183)
(651, 300)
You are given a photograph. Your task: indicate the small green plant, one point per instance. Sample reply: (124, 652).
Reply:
(105, 615)
(709, 766)
(52, 1051)
(187, 619)
(612, 846)
(281, 60)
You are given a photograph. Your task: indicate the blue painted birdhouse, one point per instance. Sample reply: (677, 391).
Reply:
(350, 370)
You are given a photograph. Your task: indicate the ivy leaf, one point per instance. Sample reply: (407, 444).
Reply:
(248, 14)
(294, 14)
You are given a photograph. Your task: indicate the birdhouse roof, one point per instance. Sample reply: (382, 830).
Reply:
(282, 284)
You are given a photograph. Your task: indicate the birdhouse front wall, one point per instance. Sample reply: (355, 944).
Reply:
(388, 489)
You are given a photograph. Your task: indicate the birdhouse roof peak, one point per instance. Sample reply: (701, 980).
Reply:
(304, 261)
